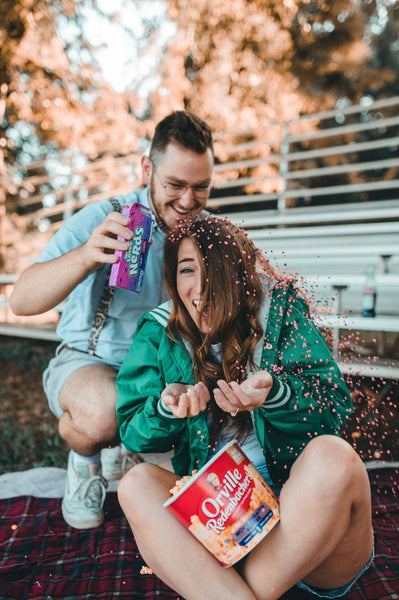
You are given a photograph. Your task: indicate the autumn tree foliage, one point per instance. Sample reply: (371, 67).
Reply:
(244, 63)
(239, 64)
(53, 98)
(60, 100)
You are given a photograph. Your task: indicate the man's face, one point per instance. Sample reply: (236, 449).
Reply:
(170, 199)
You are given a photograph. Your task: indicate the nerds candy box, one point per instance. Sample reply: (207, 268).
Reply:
(128, 272)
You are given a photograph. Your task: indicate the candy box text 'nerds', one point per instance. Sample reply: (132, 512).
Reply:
(128, 272)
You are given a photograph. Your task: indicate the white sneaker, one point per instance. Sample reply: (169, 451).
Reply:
(117, 461)
(85, 489)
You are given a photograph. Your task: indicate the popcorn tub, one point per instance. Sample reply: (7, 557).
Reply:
(227, 505)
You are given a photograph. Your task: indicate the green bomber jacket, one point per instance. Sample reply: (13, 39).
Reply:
(308, 396)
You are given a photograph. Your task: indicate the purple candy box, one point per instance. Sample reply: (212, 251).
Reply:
(128, 272)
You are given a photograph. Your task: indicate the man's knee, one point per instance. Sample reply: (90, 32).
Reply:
(96, 424)
(89, 396)
(97, 427)
(89, 384)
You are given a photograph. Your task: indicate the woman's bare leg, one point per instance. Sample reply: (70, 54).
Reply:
(167, 546)
(325, 535)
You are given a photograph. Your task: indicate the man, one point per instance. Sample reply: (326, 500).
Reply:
(96, 328)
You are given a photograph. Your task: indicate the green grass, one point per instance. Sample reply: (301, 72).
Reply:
(26, 448)
(28, 430)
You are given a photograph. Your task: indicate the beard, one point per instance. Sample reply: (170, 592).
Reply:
(162, 209)
(154, 207)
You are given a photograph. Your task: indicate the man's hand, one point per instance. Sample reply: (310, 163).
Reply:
(185, 400)
(102, 243)
(251, 393)
(44, 285)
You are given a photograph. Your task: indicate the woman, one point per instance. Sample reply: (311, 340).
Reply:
(235, 354)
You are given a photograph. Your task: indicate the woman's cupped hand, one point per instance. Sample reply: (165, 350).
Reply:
(185, 400)
(248, 395)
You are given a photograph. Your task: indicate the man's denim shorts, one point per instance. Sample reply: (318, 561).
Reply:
(337, 592)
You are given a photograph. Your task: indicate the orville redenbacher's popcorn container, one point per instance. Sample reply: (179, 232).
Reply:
(227, 505)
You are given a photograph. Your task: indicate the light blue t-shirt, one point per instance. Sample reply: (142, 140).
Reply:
(253, 450)
(250, 446)
(126, 306)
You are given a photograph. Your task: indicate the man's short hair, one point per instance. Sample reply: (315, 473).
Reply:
(183, 128)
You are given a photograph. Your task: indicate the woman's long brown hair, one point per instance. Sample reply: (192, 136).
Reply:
(231, 295)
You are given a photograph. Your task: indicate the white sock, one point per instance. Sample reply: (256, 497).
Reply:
(79, 458)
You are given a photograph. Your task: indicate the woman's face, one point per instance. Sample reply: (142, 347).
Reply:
(189, 283)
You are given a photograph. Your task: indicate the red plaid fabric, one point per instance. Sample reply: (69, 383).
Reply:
(41, 558)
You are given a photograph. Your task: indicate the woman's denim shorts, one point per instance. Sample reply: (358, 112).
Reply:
(337, 592)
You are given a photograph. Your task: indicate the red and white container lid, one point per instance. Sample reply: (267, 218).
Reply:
(227, 505)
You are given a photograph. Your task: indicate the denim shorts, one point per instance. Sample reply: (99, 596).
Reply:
(64, 363)
(337, 592)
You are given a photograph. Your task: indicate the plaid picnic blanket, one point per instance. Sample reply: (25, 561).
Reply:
(41, 558)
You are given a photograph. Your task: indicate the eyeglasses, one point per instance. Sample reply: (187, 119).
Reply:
(176, 190)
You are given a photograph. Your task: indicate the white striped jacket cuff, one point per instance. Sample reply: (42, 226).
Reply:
(164, 410)
(279, 394)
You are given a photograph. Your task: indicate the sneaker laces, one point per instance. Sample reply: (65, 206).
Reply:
(88, 489)
(129, 460)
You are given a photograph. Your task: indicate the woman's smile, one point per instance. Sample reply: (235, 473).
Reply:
(189, 284)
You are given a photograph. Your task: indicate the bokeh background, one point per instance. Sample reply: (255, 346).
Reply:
(83, 79)
(82, 84)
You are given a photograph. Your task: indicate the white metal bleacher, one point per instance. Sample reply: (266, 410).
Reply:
(330, 264)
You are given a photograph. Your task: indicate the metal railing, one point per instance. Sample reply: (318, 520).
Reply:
(312, 161)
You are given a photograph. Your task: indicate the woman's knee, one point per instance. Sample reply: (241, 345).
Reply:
(330, 460)
(134, 489)
(330, 445)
